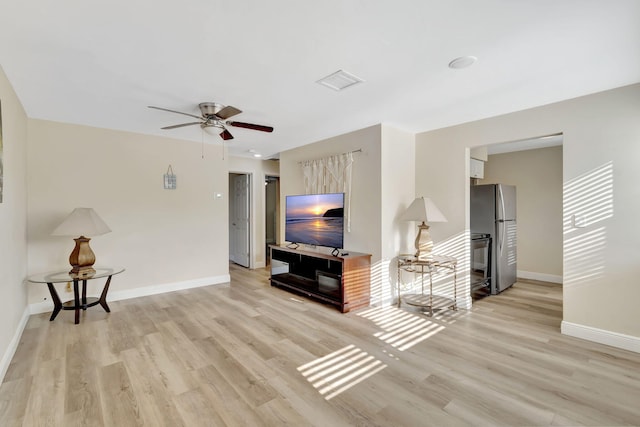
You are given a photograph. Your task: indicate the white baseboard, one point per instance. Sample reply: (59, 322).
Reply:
(613, 339)
(543, 277)
(13, 345)
(46, 306)
(168, 287)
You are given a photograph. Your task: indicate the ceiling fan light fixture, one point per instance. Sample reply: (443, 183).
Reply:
(339, 80)
(215, 115)
(212, 128)
(462, 62)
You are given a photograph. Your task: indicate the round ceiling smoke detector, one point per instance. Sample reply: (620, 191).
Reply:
(462, 62)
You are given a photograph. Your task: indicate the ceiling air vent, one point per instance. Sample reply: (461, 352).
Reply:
(340, 80)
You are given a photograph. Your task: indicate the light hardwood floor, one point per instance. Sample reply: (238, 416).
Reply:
(246, 354)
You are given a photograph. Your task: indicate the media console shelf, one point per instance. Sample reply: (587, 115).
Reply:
(343, 280)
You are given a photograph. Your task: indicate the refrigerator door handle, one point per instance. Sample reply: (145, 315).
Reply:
(501, 199)
(502, 219)
(502, 232)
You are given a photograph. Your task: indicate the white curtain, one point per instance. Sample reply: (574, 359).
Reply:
(313, 176)
(330, 175)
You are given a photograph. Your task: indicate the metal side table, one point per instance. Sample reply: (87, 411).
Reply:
(426, 266)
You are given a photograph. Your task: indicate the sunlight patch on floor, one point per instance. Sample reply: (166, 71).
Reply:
(401, 329)
(340, 370)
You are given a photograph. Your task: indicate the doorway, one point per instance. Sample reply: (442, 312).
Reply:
(272, 211)
(534, 167)
(239, 218)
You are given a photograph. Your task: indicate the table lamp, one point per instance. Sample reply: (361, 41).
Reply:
(424, 210)
(82, 222)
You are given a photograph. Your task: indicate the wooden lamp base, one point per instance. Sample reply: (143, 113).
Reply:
(82, 258)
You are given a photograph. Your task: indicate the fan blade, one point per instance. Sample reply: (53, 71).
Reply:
(181, 125)
(228, 111)
(178, 112)
(226, 135)
(250, 126)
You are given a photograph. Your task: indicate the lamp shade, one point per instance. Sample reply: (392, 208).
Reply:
(423, 209)
(82, 222)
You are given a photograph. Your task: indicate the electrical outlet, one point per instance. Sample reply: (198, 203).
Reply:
(68, 289)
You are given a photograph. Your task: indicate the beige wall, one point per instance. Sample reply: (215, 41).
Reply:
(382, 187)
(601, 145)
(397, 171)
(365, 191)
(258, 169)
(537, 175)
(163, 238)
(13, 213)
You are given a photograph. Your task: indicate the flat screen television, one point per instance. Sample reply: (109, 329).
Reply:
(315, 219)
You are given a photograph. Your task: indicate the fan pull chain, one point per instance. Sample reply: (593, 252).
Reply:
(202, 138)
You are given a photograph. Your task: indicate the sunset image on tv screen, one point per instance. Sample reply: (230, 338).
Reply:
(315, 219)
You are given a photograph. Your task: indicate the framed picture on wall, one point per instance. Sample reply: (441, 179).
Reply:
(169, 179)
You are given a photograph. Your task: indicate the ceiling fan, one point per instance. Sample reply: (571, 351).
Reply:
(215, 115)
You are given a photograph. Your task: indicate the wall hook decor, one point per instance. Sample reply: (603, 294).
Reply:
(169, 179)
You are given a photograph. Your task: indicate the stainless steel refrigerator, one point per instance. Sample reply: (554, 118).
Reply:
(493, 212)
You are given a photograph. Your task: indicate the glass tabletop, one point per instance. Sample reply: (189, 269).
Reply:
(408, 259)
(65, 276)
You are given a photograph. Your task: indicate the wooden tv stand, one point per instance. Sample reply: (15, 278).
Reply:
(343, 280)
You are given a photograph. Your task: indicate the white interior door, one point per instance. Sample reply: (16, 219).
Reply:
(239, 219)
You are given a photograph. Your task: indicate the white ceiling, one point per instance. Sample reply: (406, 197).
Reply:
(101, 63)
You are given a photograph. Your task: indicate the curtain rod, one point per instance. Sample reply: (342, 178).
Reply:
(359, 150)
